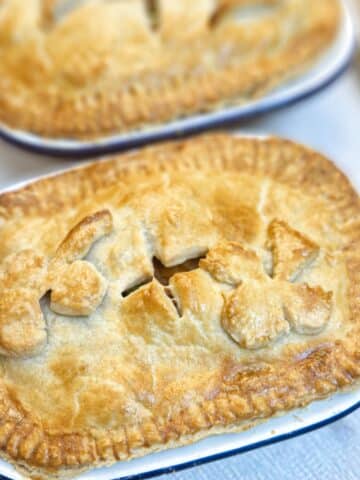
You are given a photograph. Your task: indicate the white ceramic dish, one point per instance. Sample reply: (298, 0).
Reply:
(296, 423)
(326, 70)
(292, 424)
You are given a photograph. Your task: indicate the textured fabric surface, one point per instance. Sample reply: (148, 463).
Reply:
(328, 122)
(329, 453)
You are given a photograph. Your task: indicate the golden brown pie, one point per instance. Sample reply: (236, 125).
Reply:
(165, 295)
(82, 69)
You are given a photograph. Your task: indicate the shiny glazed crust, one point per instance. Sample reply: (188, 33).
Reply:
(145, 370)
(110, 67)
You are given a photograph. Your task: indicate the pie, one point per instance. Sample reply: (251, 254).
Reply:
(164, 295)
(88, 69)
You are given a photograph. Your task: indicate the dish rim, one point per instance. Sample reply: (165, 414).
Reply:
(305, 86)
(246, 448)
(328, 413)
(267, 441)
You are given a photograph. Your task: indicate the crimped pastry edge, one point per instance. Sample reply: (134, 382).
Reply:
(185, 441)
(337, 364)
(188, 96)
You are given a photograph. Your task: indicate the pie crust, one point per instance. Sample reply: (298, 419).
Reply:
(107, 67)
(251, 308)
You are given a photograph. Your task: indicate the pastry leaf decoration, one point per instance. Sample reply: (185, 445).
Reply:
(76, 287)
(263, 307)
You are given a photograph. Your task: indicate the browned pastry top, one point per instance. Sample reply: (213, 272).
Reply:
(164, 295)
(104, 67)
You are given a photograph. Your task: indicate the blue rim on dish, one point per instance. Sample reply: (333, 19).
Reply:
(246, 448)
(330, 67)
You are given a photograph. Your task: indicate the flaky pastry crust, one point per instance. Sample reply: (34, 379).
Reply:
(107, 67)
(251, 308)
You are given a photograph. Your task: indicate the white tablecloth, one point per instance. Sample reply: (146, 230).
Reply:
(329, 122)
